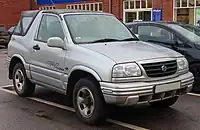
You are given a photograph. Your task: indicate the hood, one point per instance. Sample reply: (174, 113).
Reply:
(131, 51)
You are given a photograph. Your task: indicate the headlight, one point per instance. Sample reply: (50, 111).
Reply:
(182, 64)
(126, 70)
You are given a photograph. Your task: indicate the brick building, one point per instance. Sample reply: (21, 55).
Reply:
(127, 10)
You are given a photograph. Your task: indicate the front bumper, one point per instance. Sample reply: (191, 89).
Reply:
(144, 92)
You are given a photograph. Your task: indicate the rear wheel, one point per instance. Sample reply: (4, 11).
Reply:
(88, 101)
(165, 103)
(195, 69)
(22, 85)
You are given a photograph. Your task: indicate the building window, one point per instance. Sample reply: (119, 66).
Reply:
(137, 10)
(131, 4)
(177, 3)
(47, 7)
(184, 3)
(137, 4)
(126, 4)
(149, 4)
(97, 6)
(197, 2)
(144, 3)
(191, 3)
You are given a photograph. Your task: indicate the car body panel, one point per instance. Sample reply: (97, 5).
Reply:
(52, 67)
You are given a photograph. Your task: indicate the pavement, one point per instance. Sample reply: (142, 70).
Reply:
(49, 110)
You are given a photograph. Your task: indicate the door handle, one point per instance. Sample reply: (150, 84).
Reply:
(36, 47)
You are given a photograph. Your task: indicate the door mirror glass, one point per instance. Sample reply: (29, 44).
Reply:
(55, 42)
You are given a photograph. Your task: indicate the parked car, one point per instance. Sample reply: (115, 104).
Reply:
(190, 27)
(4, 36)
(76, 54)
(173, 36)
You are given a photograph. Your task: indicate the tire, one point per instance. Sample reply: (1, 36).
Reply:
(22, 85)
(85, 87)
(165, 103)
(195, 69)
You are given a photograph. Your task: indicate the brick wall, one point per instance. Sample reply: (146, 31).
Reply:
(116, 8)
(10, 11)
(167, 6)
(63, 5)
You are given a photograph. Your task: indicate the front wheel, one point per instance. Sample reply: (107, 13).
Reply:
(88, 101)
(165, 103)
(22, 85)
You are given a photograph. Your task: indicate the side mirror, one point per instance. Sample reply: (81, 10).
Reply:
(55, 42)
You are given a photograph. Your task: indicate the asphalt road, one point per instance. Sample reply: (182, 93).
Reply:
(19, 113)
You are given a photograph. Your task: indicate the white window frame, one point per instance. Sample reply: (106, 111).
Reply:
(47, 7)
(188, 7)
(137, 10)
(69, 6)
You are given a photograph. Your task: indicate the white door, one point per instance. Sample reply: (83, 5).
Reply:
(47, 63)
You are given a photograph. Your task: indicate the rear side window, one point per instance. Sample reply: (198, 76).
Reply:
(17, 30)
(23, 25)
(26, 21)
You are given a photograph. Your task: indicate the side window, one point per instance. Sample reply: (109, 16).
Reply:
(17, 29)
(26, 21)
(50, 26)
(154, 33)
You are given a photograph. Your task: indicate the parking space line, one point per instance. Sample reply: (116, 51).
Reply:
(126, 125)
(194, 94)
(119, 123)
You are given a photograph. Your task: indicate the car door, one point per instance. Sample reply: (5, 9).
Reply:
(47, 63)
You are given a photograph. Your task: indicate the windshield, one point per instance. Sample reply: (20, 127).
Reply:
(192, 28)
(92, 28)
(185, 32)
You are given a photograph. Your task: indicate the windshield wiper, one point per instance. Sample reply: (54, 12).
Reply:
(130, 39)
(105, 40)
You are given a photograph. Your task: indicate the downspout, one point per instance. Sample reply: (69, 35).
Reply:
(110, 6)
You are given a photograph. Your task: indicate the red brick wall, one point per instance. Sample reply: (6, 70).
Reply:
(63, 5)
(116, 9)
(167, 6)
(10, 11)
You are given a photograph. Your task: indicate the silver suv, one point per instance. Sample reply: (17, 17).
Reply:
(94, 59)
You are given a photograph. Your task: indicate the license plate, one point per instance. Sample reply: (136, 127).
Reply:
(167, 87)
